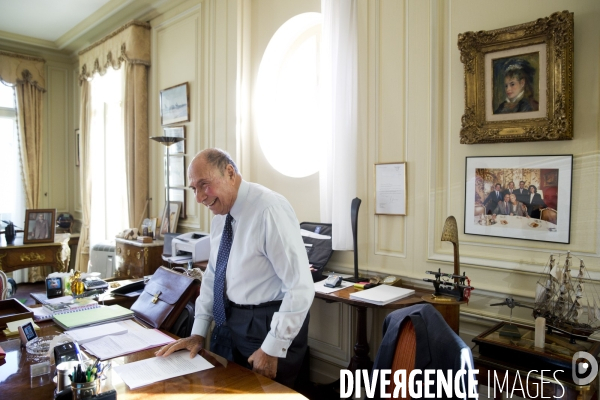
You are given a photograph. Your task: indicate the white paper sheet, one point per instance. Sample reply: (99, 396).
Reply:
(156, 369)
(132, 341)
(389, 189)
(321, 288)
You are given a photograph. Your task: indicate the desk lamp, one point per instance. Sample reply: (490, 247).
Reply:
(354, 206)
(167, 141)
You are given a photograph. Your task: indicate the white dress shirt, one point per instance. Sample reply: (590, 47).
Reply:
(267, 262)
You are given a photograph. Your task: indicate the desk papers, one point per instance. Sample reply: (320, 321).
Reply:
(382, 294)
(156, 369)
(84, 335)
(321, 288)
(134, 340)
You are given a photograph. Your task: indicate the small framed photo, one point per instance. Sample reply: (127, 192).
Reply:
(173, 212)
(519, 197)
(174, 104)
(390, 188)
(178, 194)
(519, 82)
(149, 228)
(176, 131)
(39, 226)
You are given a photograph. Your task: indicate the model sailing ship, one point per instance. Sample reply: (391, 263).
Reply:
(560, 298)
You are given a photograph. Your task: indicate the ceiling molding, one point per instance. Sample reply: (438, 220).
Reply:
(108, 18)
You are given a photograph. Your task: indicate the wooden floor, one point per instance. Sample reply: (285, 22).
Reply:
(23, 290)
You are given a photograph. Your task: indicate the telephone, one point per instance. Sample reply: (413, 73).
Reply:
(333, 281)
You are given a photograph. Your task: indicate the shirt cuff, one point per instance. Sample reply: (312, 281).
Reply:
(275, 347)
(200, 327)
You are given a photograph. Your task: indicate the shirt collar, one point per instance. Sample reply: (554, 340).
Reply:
(240, 200)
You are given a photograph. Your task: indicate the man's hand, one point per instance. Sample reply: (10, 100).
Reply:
(263, 363)
(194, 344)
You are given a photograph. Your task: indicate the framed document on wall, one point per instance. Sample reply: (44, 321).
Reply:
(390, 188)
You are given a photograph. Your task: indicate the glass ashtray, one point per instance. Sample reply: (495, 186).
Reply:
(39, 346)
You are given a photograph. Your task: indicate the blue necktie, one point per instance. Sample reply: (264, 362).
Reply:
(220, 272)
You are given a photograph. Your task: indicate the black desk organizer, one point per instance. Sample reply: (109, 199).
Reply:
(321, 250)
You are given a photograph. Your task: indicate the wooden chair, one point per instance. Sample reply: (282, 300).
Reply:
(406, 352)
(3, 286)
(548, 214)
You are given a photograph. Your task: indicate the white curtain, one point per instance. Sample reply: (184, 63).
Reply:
(339, 77)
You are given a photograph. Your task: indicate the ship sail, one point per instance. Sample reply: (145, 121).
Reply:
(560, 294)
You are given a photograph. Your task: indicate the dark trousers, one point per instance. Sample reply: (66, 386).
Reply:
(248, 329)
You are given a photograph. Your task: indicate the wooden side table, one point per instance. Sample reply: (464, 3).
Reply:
(135, 259)
(18, 255)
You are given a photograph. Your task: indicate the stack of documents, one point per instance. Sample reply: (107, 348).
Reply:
(84, 335)
(135, 339)
(382, 294)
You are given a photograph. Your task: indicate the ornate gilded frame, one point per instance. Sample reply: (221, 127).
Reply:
(553, 36)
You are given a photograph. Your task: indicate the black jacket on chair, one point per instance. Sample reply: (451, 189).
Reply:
(438, 346)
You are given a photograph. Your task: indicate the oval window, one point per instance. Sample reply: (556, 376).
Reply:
(287, 97)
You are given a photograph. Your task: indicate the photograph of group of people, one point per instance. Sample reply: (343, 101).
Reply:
(519, 197)
(522, 201)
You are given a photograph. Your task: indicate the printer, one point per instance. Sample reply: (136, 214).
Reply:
(194, 243)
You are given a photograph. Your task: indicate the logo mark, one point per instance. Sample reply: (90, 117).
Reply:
(584, 368)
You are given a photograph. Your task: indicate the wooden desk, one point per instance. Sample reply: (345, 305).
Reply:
(361, 359)
(229, 379)
(18, 255)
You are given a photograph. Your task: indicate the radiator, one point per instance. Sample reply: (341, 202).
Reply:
(102, 259)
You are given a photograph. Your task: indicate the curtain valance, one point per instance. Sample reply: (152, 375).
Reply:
(17, 68)
(129, 43)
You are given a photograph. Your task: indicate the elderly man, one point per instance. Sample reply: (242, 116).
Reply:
(257, 286)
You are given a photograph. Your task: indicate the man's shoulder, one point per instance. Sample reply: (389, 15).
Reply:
(262, 197)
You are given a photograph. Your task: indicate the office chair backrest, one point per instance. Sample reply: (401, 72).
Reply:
(184, 323)
(406, 351)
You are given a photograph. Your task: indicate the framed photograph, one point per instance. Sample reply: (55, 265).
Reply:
(77, 148)
(149, 227)
(176, 131)
(176, 170)
(390, 188)
(519, 197)
(39, 226)
(519, 82)
(174, 210)
(174, 105)
(178, 194)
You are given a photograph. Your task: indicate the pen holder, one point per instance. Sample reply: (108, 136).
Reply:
(85, 390)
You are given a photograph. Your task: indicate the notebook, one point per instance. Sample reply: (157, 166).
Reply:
(92, 316)
(382, 294)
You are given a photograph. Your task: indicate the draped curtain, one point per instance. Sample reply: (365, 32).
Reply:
(128, 47)
(27, 74)
(339, 74)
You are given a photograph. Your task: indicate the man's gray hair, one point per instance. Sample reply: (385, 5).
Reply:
(220, 159)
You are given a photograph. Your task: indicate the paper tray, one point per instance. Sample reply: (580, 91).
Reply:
(13, 310)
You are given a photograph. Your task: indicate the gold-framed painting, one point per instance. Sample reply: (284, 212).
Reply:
(519, 82)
